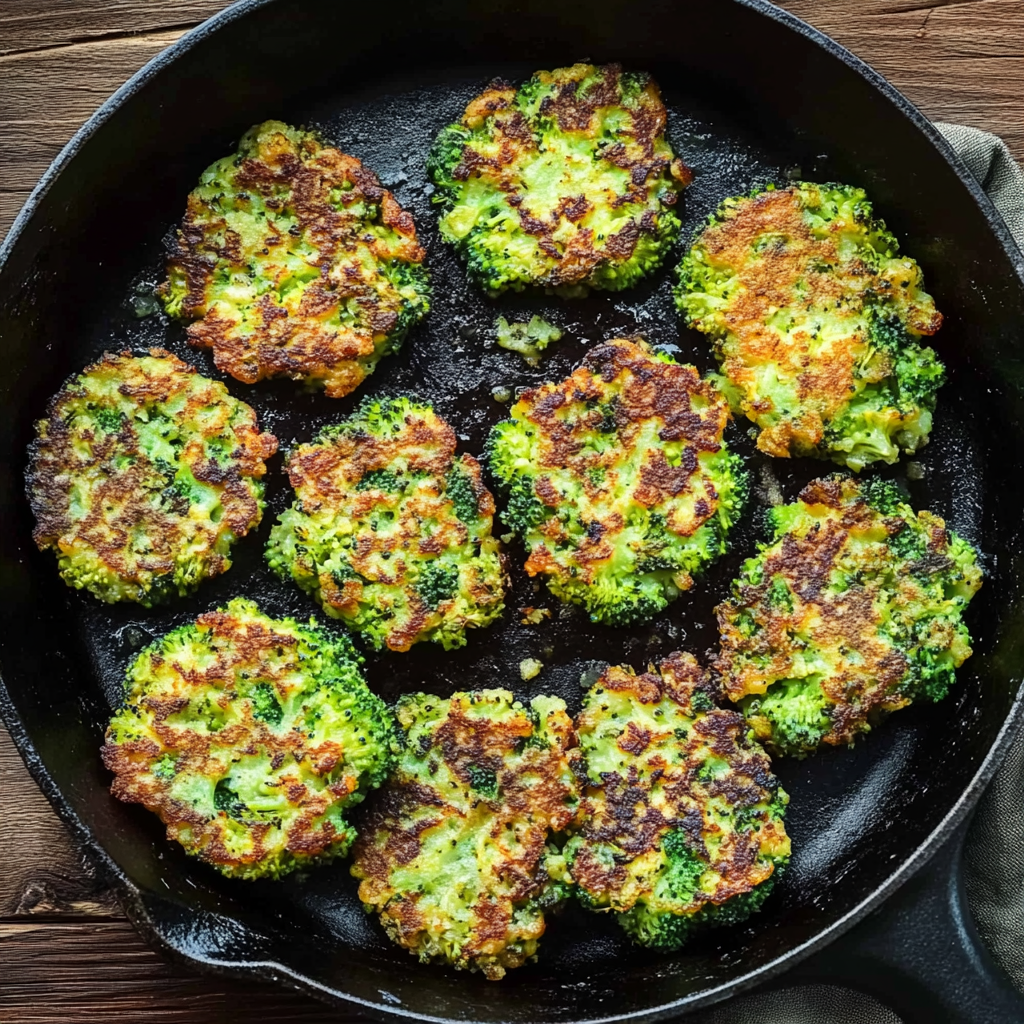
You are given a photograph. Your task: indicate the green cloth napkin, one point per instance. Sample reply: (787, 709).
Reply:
(995, 847)
(989, 160)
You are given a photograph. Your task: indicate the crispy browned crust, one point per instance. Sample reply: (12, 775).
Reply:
(646, 388)
(233, 650)
(769, 282)
(535, 796)
(300, 343)
(513, 142)
(324, 476)
(863, 685)
(122, 507)
(623, 813)
(325, 473)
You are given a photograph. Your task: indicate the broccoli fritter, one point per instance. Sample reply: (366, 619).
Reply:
(567, 182)
(250, 737)
(293, 261)
(142, 477)
(619, 482)
(815, 319)
(681, 819)
(852, 610)
(391, 532)
(455, 855)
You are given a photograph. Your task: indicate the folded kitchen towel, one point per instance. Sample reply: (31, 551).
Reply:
(995, 848)
(989, 160)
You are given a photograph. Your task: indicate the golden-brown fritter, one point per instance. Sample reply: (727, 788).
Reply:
(815, 318)
(852, 610)
(681, 817)
(293, 261)
(142, 477)
(250, 737)
(620, 484)
(567, 182)
(391, 531)
(454, 855)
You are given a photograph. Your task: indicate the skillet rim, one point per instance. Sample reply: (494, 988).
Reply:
(134, 900)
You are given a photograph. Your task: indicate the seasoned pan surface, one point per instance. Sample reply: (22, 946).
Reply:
(855, 817)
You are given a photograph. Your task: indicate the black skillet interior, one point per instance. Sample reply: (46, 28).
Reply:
(750, 102)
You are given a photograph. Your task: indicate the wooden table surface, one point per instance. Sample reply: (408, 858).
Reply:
(67, 956)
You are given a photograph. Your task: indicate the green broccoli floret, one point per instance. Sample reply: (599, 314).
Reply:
(681, 820)
(893, 415)
(567, 182)
(815, 318)
(462, 491)
(379, 480)
(880, 627)
(391, 532)
(619, 503)
(883, 496)
(795, 712)
(670, 932)
(273, 737)
(444, 158)
(438, 582)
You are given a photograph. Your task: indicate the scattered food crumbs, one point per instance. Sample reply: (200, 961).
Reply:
(534, 616)
(507, 538)
(529, 668)
(770, 491)
(501, 394)
(915, 471)
(145, 303)
(529, 339)
(593, 670)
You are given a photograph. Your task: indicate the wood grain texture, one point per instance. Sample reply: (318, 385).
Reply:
(46, 95)
(66, 957)
(99, 972)
(961, 62)
(36, 24)
(42, 873)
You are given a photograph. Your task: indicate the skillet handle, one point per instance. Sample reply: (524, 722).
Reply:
(921, 955)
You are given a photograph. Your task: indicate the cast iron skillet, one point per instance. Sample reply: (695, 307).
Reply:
(755, 96)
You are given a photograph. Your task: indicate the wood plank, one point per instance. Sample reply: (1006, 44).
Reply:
(872, 8)
(98, 972)
(999, 109)
(918, 32)
(961, 62)
(43, 872)
(937, 33)
(38, 143)
(31, 25)
(47, 95)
